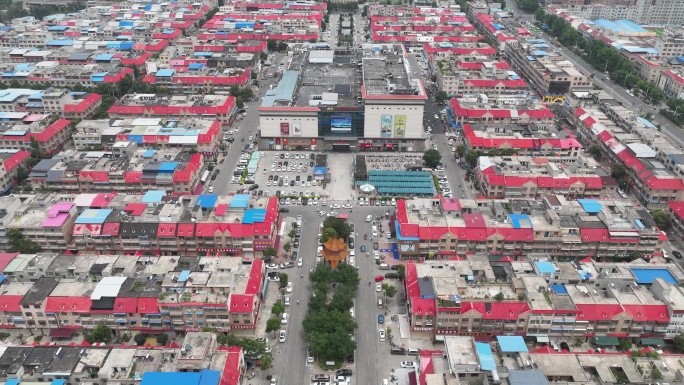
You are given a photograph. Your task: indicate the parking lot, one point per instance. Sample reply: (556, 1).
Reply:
(291, 173)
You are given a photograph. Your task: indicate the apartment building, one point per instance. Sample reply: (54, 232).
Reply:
(10, 163)
(547, 71)
(671, 42)
(523, 139)
(446, 227)
(169, 169)
(500, 112)
(219, 107)
(672, 83)
(459, 76)
(573, 177)
(201, 83)
(198, 135)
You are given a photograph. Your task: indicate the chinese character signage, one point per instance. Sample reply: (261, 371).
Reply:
(399, 125)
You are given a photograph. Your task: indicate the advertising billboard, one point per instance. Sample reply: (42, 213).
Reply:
(340, 123)
(284, 128)
(386, 125)
(399, 125)
(296, 128)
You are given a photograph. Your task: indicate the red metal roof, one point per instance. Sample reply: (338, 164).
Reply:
(148, 305)
(5, 259)
(497, 310)
(256, 276)
(94, 176)
(166, 230)
(594, 235)
(15, 160)
(110, 228)
(662, 183)
(68, 304)
(231, 369)
(677, 208)
(132, 176)
(598, 312)
(644, 313)
(186, 229)
(423, 306)
(102, 200)
(10, 303)
(135, 209)
(51, 130)
(241, 303)
(411, 280)
(83, 104)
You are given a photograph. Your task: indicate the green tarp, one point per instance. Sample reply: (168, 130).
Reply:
(652, 341)
(606, 341)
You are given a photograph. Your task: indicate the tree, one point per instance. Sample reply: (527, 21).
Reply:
(634, 255)
(163, 339)
(595, 151)
(343, 300)
(287, 247)
(390, 290)
(499, 296)
(323, 274)
(328, 234)
(656, 374)
(340, 225)
(292, 234)
(139, 339)
(283, 279)
(278, 309)
(22, 174)
(269, 253)
(432, 158)
(678, 343)
(347, 275)
(266, 361)
(401, 271)
(17, 242)
(661, 219)
(618, 171)
(441, 96)
(625, 344)
(539, 15)
(273, 325)
(101, 333)
(460, 150)
(472, 156)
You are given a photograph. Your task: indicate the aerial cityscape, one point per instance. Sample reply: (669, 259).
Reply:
(402, 192)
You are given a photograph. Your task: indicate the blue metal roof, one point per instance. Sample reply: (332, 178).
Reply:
(285, 90)
(590, 205)
(196, 66)
(168, 167)
(240, 201)
(62, 43)
(649, 275)
(545, 267)
(149, 153)
(484, 352)
(512, 344)
(520, 221)
(204, 54)
(559, 288)
(93, 216)
(205, 377)
(104, 57)
(165, 73)
(153, 196)
(58, 28)
(540, 53)
(206, 201)
(254, 216)
(184, 276)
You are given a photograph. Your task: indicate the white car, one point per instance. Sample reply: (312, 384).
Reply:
(324, 202)
(352, 253)
(335, 206)
(250, 137)
(289, 287)
(369, 218)
(408, 364)
(342, 379)
(300, 262)
(211, 188)
(315, 202)
(281, 338)
(378, 287)
(347, 206)
(361, 202)
(299, 219)
(322, 213)
(309, 358)
(284, 318)
(381, 334)
(271, 266)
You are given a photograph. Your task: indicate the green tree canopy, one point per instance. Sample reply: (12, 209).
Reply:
(390, 290)
(661, 219)
(328, 234)
(101, 333)
(432, 158)
(273, 325)
(278, 309)
(340, 225)
(17, 242)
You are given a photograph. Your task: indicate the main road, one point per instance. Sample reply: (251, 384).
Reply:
(637, 105)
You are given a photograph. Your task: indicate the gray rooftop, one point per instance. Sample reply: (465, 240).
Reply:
(39, 291)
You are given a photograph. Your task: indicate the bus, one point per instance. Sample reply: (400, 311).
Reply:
(205, 176)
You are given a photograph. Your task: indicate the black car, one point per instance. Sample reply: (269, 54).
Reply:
(312, 156)
(392, 276)
(281, 210)
(375, 246)
(294, 256)
(253, 187)
(284, 210)
(350, 359)
(394, 267)
(344, 372)
(677, 254)
(398, 351)
(296, 243)
(230, 139)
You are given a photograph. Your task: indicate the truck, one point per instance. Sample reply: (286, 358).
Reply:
(558, 44)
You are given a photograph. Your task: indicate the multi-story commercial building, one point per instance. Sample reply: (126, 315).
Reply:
(451, 227)
(49, 138)
(572, 176)
(132, 171)
(198, 135)
(10, 164)
(500, 112)
(219, 107)
(376, 106)
(200, 81)
(548, 72)
(672, 83)
(460, 76)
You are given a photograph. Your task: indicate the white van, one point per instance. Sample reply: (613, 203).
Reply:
(413, 352)
(384, 266)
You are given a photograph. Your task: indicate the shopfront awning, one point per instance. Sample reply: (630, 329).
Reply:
(606, 341)
(652, 341)
(542, 339)
(61, 333)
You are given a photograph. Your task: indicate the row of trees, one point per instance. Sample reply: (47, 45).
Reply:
(14, 9)
(329, 326)
(601, 56)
